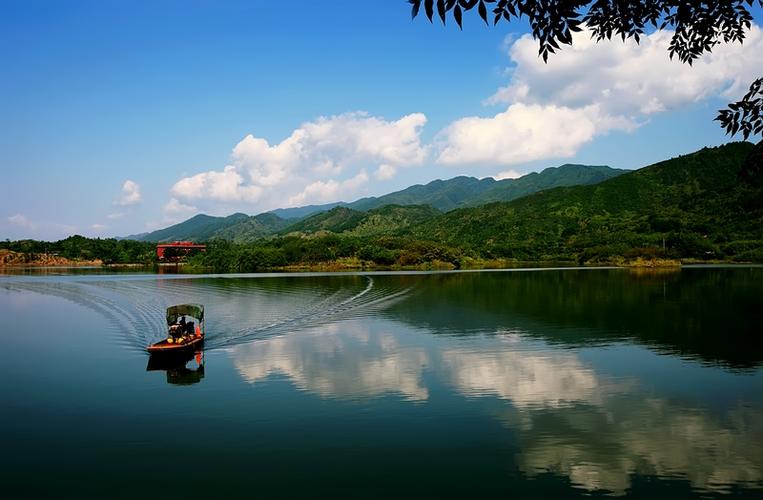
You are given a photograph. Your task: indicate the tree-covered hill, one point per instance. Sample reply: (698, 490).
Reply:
(251, 228)
(237, 227)
(443, 195)
(389, 219)
(565, 175)
(469, 191)
(695, 205)
(198, 228)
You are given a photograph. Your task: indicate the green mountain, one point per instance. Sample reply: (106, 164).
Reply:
(198, 228)
(252, 228)
(301, 212)
(469, 191)
(237, 227)
(383, 220)
(443, 195)
(336, 220)
(565, 175)
(695, 205)
(462, 191)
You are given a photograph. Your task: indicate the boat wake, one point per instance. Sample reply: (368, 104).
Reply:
(238, 310)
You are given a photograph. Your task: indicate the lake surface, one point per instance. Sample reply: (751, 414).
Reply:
(518, 384)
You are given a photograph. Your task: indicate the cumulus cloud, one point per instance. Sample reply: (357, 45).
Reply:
(629, 79)
(227, 185)
(522, 133)
(590, 89)
(322, 192)
(130, 194)
(321, 160)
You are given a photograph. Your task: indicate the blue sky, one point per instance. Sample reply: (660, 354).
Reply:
(123, 117)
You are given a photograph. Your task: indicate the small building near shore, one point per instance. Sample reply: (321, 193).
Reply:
(178, 250)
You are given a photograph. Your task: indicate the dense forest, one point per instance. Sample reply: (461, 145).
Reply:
(704, 206)
(79, 248)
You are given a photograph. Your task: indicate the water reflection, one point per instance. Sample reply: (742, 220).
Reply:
(570, 418)
(602, 447)
(527, 379)
(342, 360)
(602, 380)
(181, 369)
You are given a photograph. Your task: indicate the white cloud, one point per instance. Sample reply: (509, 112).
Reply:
(507, 174)
(99, 227)
(116, 215)
(590, 89)
(629, 79)
(130, 194)
(522, 133)
(22, 221)
(321, 160)
(322, 192)
(227, 185)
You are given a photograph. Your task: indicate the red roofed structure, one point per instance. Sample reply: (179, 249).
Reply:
(177, 250)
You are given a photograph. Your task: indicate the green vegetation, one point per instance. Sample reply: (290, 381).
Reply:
(465, 191)
(706, 206)
(110, 251)
(694, 206)
(237, 227)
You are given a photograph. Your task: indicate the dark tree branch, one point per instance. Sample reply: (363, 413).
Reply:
(745, 115)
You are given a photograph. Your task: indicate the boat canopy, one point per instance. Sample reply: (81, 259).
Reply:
(193, 310)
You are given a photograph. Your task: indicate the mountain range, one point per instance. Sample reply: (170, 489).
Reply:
(438, 195)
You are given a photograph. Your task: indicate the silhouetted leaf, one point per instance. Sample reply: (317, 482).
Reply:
(483, 12)
(416, 5)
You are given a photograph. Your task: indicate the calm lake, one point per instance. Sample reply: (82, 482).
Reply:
(520, 384)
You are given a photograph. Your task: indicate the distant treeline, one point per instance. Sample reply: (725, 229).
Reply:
(327, 249)
(108, 250)
(405, 252)
(620, 245)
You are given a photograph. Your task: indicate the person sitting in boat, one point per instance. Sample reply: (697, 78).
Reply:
(178, 329)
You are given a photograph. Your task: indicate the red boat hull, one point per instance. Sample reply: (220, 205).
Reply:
(179, 345)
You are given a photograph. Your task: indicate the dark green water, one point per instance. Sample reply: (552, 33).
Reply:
(520, 384)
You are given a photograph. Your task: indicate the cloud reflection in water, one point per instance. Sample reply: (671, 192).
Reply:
(570, 420)
(341, 360)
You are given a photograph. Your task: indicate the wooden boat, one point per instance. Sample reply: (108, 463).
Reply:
(182, 336)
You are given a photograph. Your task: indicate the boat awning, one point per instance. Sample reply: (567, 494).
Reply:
(193, 310)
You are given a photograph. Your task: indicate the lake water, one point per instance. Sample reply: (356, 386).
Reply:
(519, 384)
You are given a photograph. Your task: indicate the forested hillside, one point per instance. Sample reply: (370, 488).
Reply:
(696, 204)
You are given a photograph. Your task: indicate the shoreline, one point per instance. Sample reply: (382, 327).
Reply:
(656, 265)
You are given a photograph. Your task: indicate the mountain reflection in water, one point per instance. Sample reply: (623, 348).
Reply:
(557, 383)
